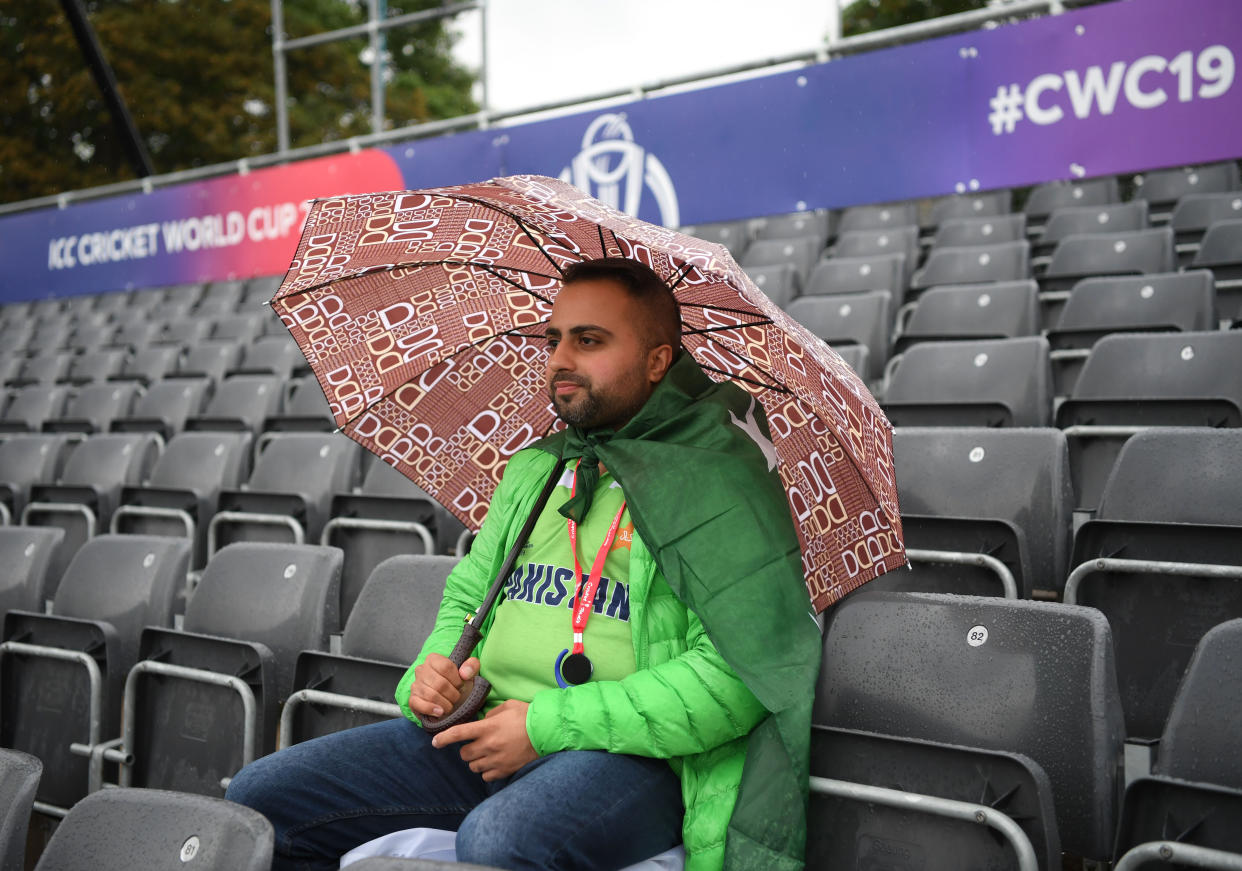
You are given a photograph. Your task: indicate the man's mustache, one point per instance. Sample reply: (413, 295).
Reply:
(566, 378)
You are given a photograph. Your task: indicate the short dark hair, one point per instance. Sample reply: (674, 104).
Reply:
(641, 282)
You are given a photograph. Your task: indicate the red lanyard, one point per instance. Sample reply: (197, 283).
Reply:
(584, 593)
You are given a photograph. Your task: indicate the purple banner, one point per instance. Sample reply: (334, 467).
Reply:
(1115, 88)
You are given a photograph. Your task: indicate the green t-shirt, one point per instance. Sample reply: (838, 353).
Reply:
(533, 621)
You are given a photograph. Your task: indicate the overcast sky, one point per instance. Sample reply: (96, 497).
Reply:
(545, 50)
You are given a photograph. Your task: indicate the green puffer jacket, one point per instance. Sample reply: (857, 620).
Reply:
(683, 703)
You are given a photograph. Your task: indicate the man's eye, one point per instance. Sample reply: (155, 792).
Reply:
(552, 343)
(586, 340)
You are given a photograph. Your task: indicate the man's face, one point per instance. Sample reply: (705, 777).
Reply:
(600, 370)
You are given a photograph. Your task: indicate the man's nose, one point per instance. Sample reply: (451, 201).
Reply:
(559, 359)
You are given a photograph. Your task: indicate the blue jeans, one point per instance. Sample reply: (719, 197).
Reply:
(581, 809)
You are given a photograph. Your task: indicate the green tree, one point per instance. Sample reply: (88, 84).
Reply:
(863, 16)
(197, 76)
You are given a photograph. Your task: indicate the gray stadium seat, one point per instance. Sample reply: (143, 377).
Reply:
(15, 336)
(305, 409)
(1044, 199)
(145, 298)
(1162, 188)
(288, 494)
(983, 672)
(1167, 302)
(259, 291)
(99, 365)
(183, 491)
(26, 555)
(87, 336)
(240, 402)
(389, 515)
(1083, 255)
(801, 253)
(75, 659)
(1004, 493)
(210, 358)
(48, 309)
(978, 205)
(394, 613)
(1001, 310)
(9, 367)
(858, 318)
(93, 407)
(998, 382)
(203, 702)
(172, 308)
(1132, 381)
(236, 327)
(270, 355)
(868, 243)
(734, 235)
(26, 460)
(851, 827)
(959, 232)
(380, 479)
(878, 217)
(220, 298)
(780, 281)
(19, 778)
(137, 333)
(972, 264)
(1199, 748)
(82, 500)
(44, 369)
(50, 336)
(112, 302)
(125, 829)
(1084, 220)
(1193, 215)
(1172, 498)
(149, 364)
(166, 407)
(855, 274)
(1196, 778)
(795, 225)
(1221, 252)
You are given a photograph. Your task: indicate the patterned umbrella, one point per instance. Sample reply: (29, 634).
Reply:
(421, 313)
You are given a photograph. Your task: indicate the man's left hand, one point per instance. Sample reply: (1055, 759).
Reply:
(495, 746)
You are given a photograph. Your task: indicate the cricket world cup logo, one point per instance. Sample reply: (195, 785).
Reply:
(616, 170)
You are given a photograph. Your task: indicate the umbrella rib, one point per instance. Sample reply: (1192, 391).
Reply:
(773, 383)
(603, 246)
(522, 224)
(703, 330)
(685, 270)
(735, 377)
(734, 311)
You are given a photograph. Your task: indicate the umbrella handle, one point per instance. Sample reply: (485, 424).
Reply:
(476, 689)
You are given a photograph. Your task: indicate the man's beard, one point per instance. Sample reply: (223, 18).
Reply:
(591, 409)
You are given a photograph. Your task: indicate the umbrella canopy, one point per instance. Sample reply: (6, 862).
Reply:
(422, 315)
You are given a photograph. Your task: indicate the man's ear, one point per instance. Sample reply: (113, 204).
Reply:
(659, 359)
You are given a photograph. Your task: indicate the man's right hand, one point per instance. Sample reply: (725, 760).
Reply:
(437, 684)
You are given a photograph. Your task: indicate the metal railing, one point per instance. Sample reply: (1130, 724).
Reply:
(485, 119)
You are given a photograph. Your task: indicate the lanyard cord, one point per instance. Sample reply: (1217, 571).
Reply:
(584, 593)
